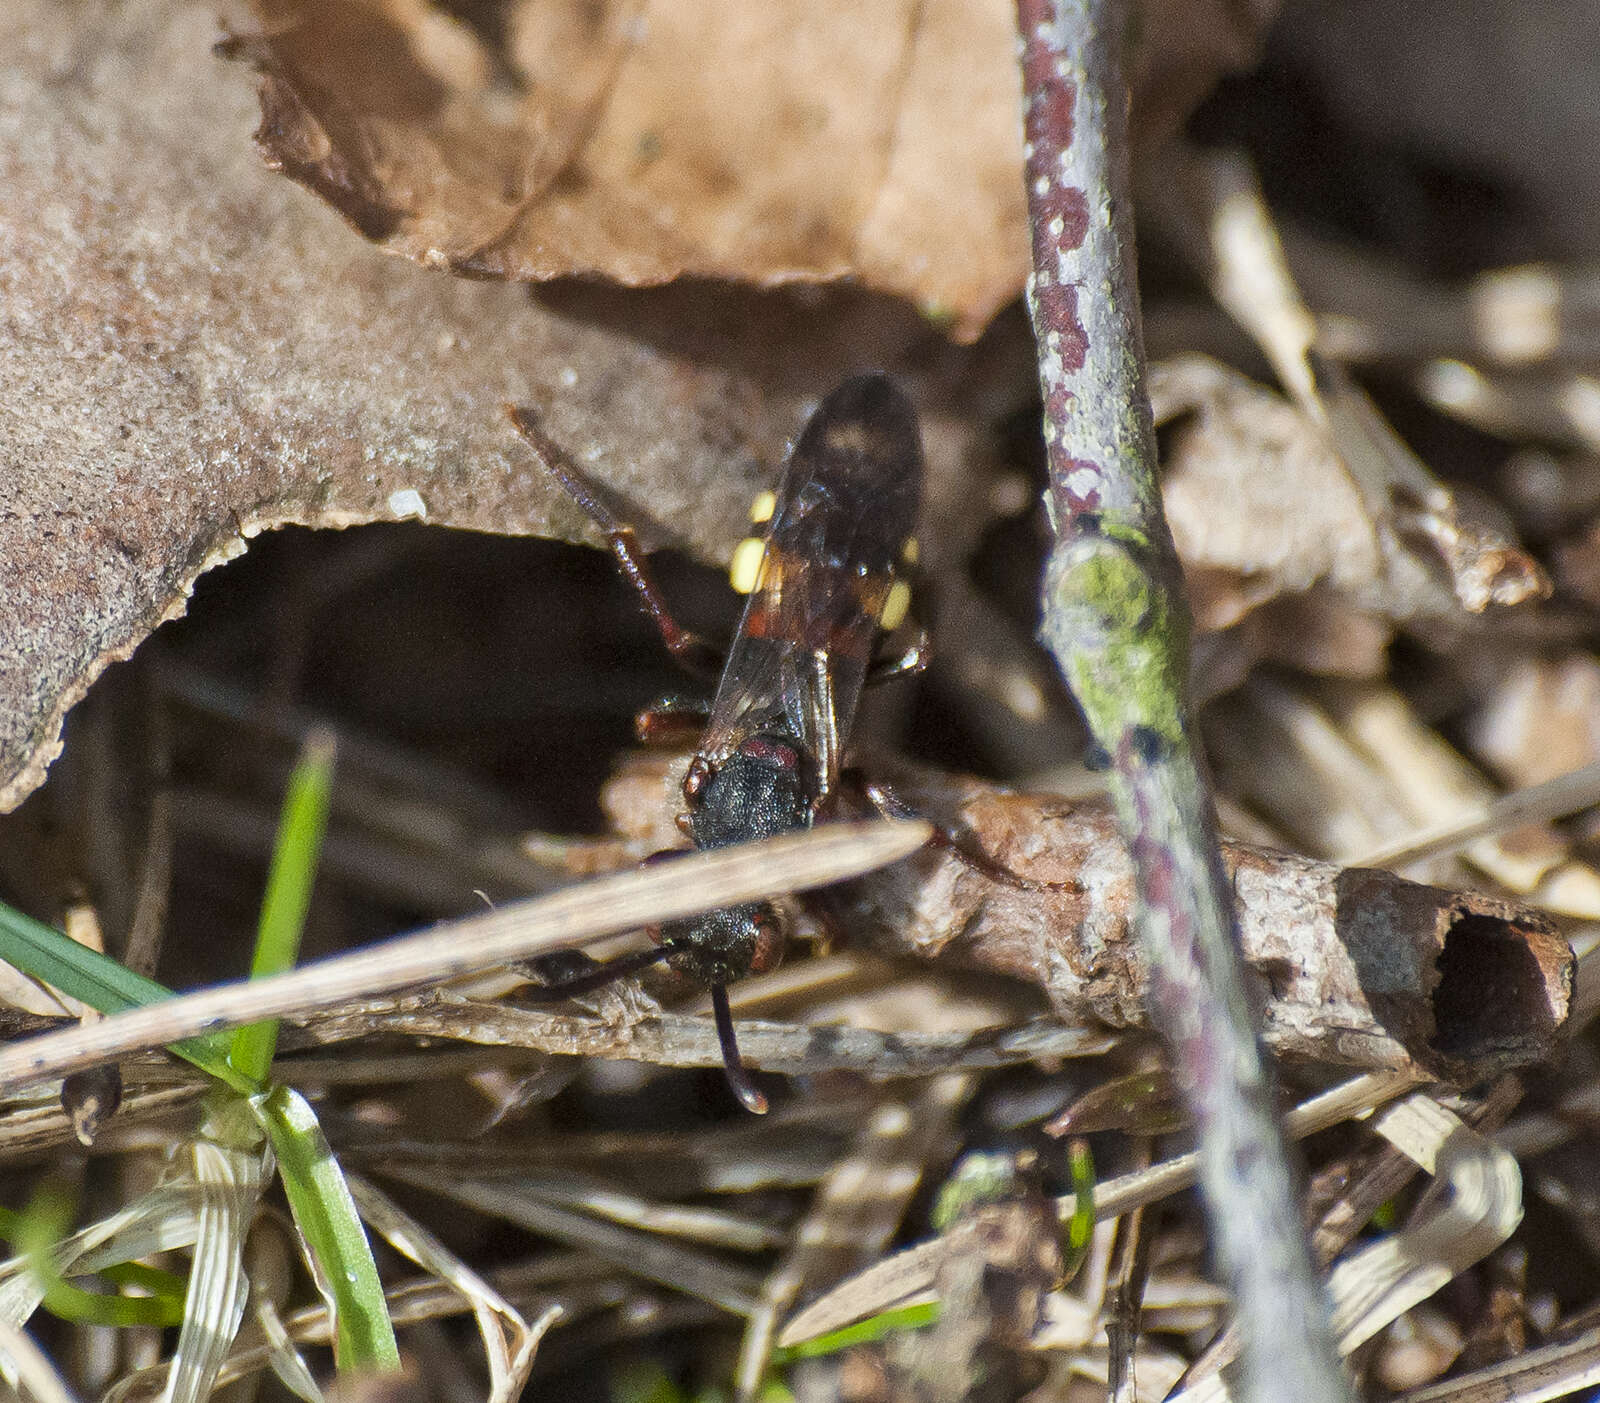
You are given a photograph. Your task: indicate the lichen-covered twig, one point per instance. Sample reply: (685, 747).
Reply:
(1116, 621)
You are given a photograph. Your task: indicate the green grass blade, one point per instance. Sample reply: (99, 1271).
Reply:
(159, 1284)
(1080, 1226)
(36, 1231)
(319, 1198)
(99, 981)
(77, 971)
(327, 1219)
(874, 1327)
(293, 872)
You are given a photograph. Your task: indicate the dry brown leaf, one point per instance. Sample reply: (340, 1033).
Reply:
(1260, 505)
(1540, 718)
(196, 352)
(1263, 510)
(649, 139)
(1291, 517)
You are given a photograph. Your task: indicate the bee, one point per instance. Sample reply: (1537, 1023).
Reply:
(826, 583)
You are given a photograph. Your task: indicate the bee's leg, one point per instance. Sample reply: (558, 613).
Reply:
(571, 972)
(689, 649)
(891, 805)
(907, 664)
(672, 720)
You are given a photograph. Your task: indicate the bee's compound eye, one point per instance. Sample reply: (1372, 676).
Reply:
(744, 570)
(895, 607)
(762, 507)
(771, 937)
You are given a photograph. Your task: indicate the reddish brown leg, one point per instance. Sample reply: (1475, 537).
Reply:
(911, 662)
(672, 721)
(689, 649)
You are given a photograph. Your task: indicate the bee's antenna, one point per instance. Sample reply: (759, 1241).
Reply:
(738, 1078)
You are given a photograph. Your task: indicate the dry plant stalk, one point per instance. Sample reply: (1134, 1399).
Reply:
(914, 1269)
(1116, 620)
(1356, 966)
(696, 882)
(856, 1209)
(1405, 503)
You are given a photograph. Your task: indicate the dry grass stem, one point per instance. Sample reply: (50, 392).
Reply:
(700, 882)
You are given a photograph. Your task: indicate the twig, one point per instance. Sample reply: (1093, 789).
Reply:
(672, 1040)
(1381, 1176)
(1356, 966)
(1117, 623)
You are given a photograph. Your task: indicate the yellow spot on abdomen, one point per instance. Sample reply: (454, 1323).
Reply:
(895, 607)
(911, 551)
(744, 570)
(763, 506)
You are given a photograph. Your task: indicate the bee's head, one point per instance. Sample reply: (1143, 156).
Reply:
(722, 947)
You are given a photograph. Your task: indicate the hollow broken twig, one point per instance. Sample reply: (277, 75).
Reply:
(1356, 966)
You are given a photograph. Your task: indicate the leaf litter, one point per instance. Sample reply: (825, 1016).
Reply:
(200, 354)
(647, 141)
